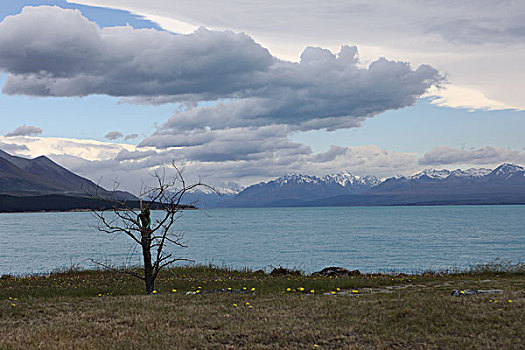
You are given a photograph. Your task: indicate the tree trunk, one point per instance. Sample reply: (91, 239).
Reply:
(145, 232)
(148, 267)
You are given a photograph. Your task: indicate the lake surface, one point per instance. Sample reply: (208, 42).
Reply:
(371, 239)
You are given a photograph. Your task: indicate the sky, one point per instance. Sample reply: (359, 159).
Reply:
(236, 91)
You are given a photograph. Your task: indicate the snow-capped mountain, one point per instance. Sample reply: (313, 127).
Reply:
(431, 174)
(229, 189)
(350, 181)
(294, 189)
(294, 178)
(505, 184)
(470, 173)
(209, 197)
(344, 179)
(508, 169)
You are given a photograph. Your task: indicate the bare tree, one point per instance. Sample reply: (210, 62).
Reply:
(165, 195)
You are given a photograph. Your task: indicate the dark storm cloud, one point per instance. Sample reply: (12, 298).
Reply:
(25, 130)
(131, 137)
(323, 91)
(113, 135)
(49, 51)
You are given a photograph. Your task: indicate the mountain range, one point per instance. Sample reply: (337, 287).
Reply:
(502, 185)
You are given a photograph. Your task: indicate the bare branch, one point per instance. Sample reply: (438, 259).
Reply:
(108, 227)
(172, 261)
(126, 272)
(176, 242)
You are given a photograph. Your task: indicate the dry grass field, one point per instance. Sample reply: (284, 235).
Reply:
(195, 309)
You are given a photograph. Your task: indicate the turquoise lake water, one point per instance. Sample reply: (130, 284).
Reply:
(371, 239)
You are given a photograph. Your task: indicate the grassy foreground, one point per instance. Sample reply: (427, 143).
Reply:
(106, 310)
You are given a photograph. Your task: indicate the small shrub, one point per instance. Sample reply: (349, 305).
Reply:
(283, 271)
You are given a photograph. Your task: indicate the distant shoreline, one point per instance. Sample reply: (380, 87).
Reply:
(191, 207)
(76, 211)
(62, 203)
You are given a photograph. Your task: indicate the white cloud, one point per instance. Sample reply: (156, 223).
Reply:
(362, 160)
(485, 156)
(12, 148)
(86, 149)
(461, 97)
(173, 25)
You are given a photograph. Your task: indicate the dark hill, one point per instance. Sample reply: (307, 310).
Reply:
(15, 180)
(32, 179)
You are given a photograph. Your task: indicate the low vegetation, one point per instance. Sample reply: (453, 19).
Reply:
(210, 307)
